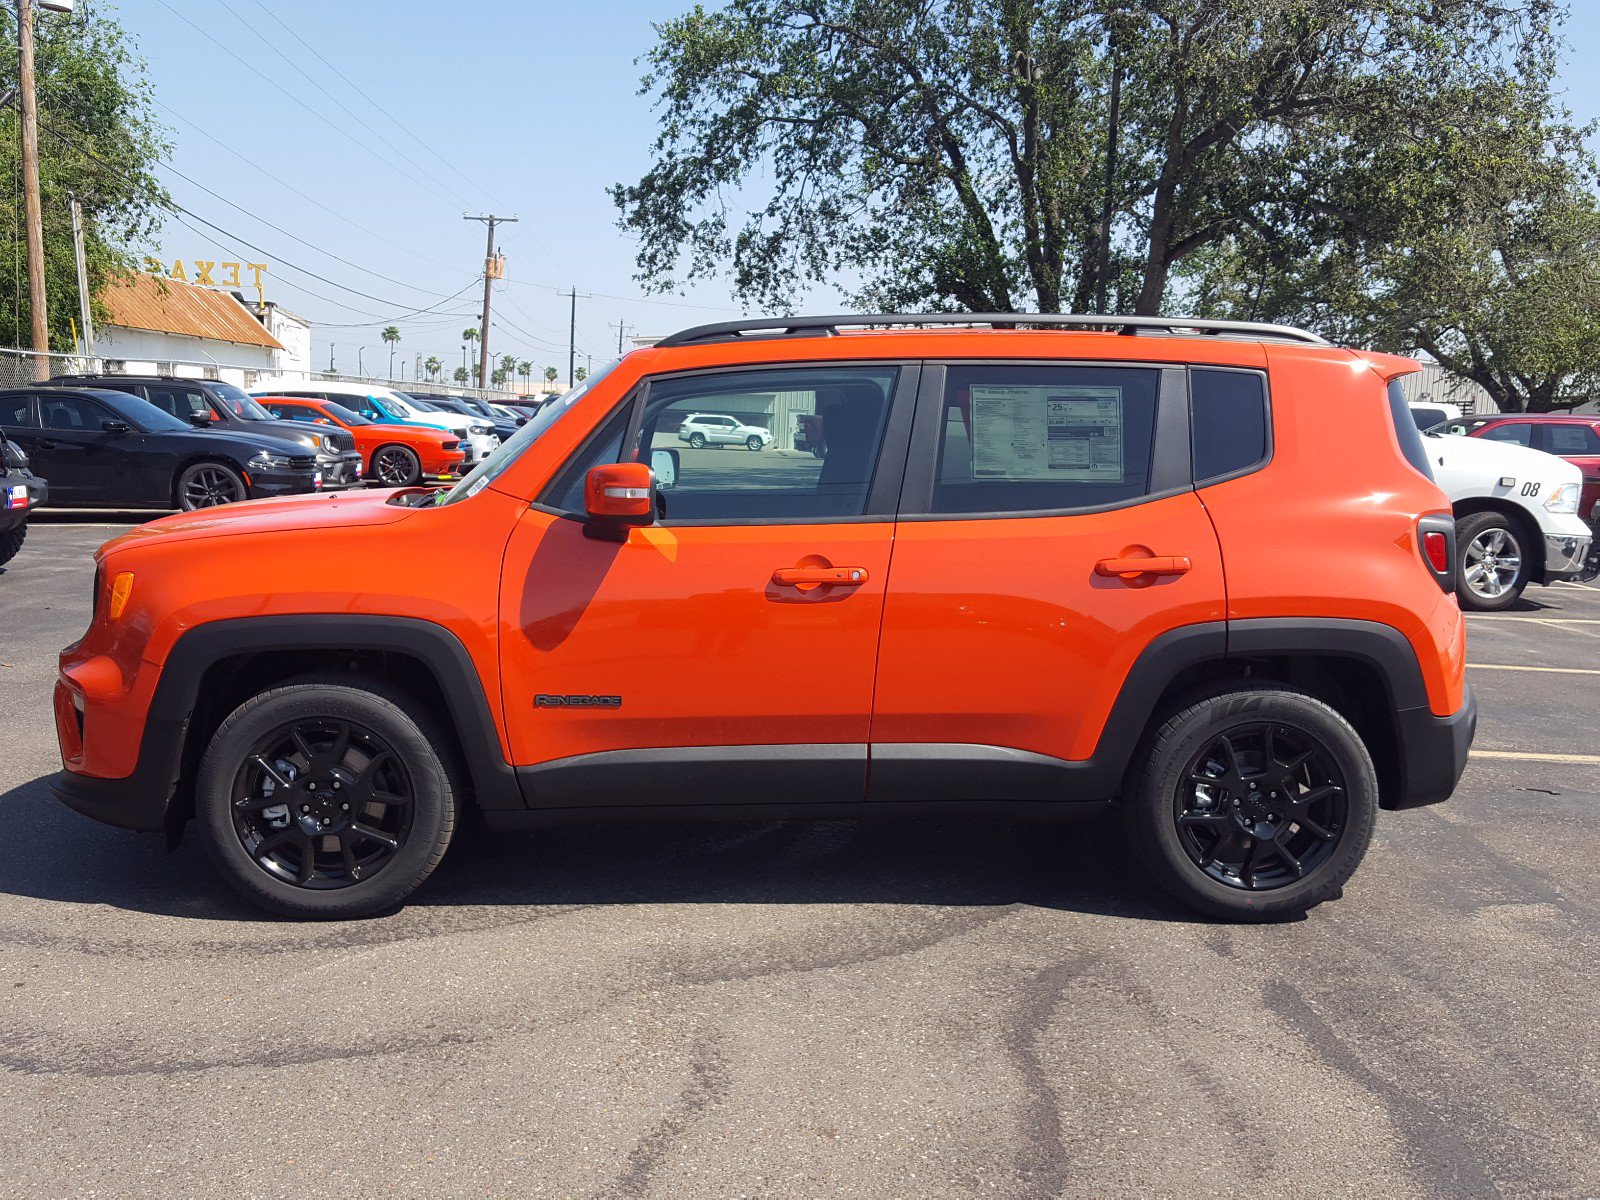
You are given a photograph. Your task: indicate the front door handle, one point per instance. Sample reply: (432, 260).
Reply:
(1127, 568)
(812, 576)
(47, 445)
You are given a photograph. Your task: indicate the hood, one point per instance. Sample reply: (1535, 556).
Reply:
(337, 510)
(1468, 466)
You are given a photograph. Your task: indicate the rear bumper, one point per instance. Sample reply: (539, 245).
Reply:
(1433, 753)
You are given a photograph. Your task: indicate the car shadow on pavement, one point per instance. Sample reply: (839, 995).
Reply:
(1082, 866)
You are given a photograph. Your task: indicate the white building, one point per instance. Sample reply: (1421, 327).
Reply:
(166, 326)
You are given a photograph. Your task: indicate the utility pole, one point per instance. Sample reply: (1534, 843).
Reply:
(493, 268)
(83, 274)
(572, 339)
(30, 186)
(331, 371)
(622, 328)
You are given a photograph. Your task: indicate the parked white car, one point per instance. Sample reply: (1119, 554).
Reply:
(383, 404)
(1427, 413)
(719, 429)
(1516, 514)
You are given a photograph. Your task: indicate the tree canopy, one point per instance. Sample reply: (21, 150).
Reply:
(97, 139)
(1323, 159)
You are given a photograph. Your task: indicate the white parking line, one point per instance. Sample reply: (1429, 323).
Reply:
(1498, 620)
(1588, 587)
(1548, 670)
(1551, 758)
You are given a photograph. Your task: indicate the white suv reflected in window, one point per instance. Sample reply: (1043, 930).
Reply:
(715, 429)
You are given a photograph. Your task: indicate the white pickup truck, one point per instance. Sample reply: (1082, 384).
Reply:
(1516, 514)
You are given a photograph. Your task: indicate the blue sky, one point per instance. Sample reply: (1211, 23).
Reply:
(500, 106)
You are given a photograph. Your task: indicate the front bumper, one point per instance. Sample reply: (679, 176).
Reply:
(340, 471)
(1433, 753)
(1564, 556)
(282, 483)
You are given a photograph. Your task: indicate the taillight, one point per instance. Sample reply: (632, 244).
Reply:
(1436, 539)
(1436, 550)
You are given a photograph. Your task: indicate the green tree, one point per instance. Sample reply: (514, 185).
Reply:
(498, 376)
(433, 364)
(508, 365)
(99, 139)
(391, 335)
(461, 375)
(525, 369)
(580, 374)
(550, 376)
(965, 155)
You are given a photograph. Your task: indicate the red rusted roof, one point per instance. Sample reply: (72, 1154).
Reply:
(141, 301)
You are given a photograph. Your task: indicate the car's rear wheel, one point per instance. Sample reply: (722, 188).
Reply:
(322, 799)
(754, 442)
(697, 441)
(396, 466)
(11, 541)
(206, 485)
(1494, 566)
(1253, 805)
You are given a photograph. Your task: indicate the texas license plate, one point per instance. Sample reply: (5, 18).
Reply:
(17, 496)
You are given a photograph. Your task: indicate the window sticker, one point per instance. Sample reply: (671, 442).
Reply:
(1064, 434)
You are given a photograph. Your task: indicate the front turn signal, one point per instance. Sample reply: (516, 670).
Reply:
(121, 589)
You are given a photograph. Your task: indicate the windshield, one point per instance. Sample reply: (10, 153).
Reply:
(239, 404)
(511, 449)
(343, 415)
(147, 416)
(390, 408)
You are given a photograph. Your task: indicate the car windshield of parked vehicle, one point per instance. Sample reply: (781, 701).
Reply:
(240, 404)
(390, 408)
(511, 449)
(343, 415)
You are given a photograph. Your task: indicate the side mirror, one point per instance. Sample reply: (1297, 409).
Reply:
(664, 466)
(115, 426)
(200, 419)
(617, 497)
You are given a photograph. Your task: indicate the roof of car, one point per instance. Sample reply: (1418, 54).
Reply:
(1552, 418)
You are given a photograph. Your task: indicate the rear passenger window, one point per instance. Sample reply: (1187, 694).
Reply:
(1228, 416)
(1571, 439)
(1016, 439)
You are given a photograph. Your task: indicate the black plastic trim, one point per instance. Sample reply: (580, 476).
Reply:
(1433, 753)
(143, 799)
(689, 775)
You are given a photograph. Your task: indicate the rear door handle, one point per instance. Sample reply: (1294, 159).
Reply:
(811, 576)
(1128, 567)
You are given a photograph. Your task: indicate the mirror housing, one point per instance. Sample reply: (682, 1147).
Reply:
(618, 497)
(200, 419)
(115, 426)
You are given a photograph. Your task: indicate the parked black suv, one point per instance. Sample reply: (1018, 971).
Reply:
(106, 449)
(215, 404)
(21, 491)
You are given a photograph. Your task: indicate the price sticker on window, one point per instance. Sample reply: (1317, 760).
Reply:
(1061, 434)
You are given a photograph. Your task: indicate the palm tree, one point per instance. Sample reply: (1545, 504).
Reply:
(477, 375)
(580, 374)
(508, 366)
(499, 377)
(525, 369)
(433, 364)
(390, 335)
(550, 377)
(461, 375)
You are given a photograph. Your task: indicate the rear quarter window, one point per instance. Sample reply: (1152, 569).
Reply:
(1229, 419)
(1405, 429)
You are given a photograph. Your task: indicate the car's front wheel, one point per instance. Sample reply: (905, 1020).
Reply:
(754, 442)
(395, 466)
(206, 485)
(1254, 804)
(1494, 567)
(323, 799)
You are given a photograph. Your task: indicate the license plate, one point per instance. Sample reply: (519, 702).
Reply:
(17, 496)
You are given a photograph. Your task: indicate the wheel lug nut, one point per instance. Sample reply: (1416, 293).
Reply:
(345, 807)
(305, 808)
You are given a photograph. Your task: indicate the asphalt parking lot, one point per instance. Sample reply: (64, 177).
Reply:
(942, 1009)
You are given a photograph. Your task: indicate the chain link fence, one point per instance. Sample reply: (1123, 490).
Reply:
(18, 367)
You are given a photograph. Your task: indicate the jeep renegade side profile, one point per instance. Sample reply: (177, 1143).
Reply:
(1197, 569)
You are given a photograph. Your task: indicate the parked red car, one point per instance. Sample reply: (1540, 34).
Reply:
(1574, 438)
(395, 455)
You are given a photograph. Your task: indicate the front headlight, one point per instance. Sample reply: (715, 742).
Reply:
(267, 461)
(483, 430)
(1563, 500)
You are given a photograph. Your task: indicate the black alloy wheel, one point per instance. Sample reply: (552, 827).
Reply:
(396, 466)
(331, 796)
(1253, 804)
(206, 485)
(1261, 806)
(322, 803)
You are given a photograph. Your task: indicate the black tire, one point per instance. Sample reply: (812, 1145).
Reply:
(395, 466)
(11, 541)
(1185, 807)
(753, 442)
(400, 840)
(819, 452)
(697, 441)
(207, 485)
(1487, 541)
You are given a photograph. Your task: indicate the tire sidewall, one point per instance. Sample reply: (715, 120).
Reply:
(433, 815)
(183, 479)
(414, 470)
(1153, 807)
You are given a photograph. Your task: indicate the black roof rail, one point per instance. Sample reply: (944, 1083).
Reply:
(828, 326)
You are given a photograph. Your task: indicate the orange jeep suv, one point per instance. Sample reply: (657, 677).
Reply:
(1195, 569)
